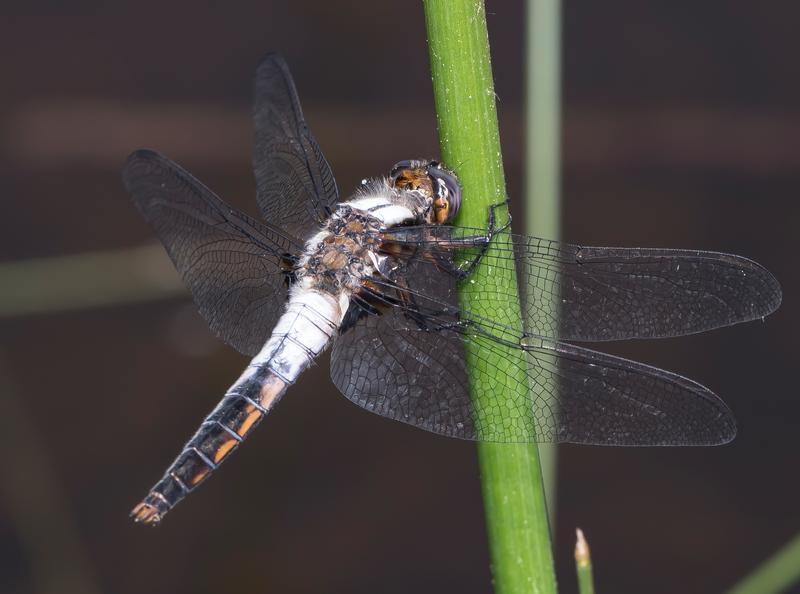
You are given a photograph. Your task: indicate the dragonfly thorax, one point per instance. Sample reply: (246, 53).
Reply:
(346, 251)
(337, 258)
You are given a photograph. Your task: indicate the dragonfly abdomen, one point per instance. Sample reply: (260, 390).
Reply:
(301, 334)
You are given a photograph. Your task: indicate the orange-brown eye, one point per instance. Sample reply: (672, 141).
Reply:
(447, 193)
(441, 209)
(411, 176)
(400, 166)
(406, 181)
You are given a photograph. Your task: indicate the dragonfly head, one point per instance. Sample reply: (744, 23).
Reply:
(434, 182)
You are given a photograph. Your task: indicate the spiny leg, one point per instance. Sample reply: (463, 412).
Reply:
(404, 299)
(482, 242)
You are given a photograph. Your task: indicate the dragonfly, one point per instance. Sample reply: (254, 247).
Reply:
(376, 278)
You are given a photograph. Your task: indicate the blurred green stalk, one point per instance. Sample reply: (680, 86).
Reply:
(87, 280)
(516, 514)
(543, 154)
(774, 575)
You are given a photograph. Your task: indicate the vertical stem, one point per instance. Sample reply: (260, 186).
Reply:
(516, 513)
(542, 163)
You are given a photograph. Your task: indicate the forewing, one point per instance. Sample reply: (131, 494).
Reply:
(230, 262)
(570, 292)
(296, 189)
(392, 366)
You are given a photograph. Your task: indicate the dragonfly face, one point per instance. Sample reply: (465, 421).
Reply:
(435, 182)
(375, 277)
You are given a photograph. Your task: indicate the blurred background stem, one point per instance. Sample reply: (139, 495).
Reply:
(542, 163)
(87, 280)
(774, 575)
(38, 507)
(513, 493)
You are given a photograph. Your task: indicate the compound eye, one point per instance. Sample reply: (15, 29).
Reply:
(411, 176)
(446, 193)
(398, 167)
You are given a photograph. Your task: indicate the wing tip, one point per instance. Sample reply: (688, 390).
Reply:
(720, 427)
(718, 424)
(136, 159)
(143, 154)
(769, 288)
(272, 57)
(729, 435)
(772, 286)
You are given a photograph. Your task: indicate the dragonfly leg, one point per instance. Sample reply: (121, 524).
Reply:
(493, 218)
(288, 265)
(404, 298)
(483, 242)
(401, 248)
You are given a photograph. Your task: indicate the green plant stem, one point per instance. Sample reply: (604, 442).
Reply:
(774, 575)
(543, 154)
(513, 493)
(583, 564)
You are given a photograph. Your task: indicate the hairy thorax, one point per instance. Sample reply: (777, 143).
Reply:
(342, 254)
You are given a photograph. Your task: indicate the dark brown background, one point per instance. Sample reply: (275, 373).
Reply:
(681, 129)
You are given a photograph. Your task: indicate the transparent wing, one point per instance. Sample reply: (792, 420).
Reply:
(408, 364)
(295, 186)
(231, 263)
(579, 293)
